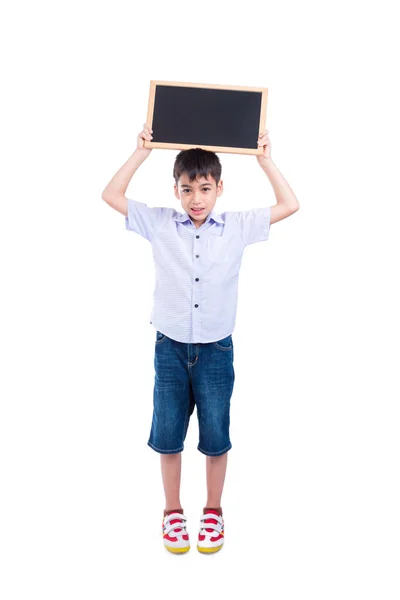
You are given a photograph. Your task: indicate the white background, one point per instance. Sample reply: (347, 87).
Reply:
(312, 488)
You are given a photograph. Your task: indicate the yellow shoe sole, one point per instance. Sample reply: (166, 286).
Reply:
(177, 550)
(209, 550)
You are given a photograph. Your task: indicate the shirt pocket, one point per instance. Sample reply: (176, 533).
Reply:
(217, 249)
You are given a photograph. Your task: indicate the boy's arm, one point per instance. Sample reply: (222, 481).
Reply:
(114, 192)
(287, 203)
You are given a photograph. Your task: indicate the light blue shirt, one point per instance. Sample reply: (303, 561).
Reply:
(197, 270)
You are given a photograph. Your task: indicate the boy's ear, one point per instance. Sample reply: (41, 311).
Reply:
(220, 187)
(176, 191)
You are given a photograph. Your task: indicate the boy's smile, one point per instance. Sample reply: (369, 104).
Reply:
(199, 194)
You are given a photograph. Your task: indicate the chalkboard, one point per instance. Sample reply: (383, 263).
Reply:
(214, 117)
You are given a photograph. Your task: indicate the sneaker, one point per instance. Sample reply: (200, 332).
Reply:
(176, 538)
(211, 535)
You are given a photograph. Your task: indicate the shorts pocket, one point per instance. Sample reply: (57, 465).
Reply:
(217, 249)
(160, 337)
(225, 343)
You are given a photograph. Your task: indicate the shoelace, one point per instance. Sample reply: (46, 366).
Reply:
(210, 525)
(179, 527)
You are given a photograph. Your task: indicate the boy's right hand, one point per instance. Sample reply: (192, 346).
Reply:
(144, 135)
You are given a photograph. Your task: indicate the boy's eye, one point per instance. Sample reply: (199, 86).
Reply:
(187, 190)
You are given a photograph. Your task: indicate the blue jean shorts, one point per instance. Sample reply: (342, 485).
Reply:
(189, 375)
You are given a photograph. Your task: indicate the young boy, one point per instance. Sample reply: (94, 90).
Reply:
(197, 258)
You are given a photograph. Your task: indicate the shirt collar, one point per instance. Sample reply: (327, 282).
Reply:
(185, 217)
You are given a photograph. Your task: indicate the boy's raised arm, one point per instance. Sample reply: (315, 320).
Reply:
(114, 192)
(287, 203)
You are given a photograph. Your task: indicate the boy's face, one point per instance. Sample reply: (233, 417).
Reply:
(200, 193)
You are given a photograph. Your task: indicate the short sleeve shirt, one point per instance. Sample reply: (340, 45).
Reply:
(197, 270)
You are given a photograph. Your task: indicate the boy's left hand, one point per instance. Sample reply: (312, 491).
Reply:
(263, 140)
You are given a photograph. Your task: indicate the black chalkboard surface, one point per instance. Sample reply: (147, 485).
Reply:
(214, 117)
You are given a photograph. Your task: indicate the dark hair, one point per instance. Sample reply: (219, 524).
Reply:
(197, 162)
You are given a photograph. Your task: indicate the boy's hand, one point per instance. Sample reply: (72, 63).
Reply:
(263, 140)
(144, 135)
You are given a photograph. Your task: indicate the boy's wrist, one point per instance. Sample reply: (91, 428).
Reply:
(142, 151)
(263, 159)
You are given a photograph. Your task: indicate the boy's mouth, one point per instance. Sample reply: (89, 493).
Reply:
(197, 211)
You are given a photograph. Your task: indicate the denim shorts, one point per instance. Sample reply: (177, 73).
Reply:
(189, 375)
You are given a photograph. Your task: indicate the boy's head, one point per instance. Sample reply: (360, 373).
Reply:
(198, 183)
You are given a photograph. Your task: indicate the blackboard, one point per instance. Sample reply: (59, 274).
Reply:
(214, 117)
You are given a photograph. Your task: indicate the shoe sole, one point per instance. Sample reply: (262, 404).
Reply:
(209, 550)
(177, 550)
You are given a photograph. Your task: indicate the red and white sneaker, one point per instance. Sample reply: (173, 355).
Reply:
(176, 538)
(211, 535)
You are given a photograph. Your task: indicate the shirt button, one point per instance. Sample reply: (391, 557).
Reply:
(196, 279)
(197, 255)
(197, 236)
(196, 305)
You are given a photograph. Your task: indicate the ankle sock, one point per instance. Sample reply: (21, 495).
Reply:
(177, 510)
(208, 508)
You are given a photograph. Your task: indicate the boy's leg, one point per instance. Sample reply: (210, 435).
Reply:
(171, 476)
(175, 535)
(214, 377)
(215, 471)
(211, 534)
(173, 406)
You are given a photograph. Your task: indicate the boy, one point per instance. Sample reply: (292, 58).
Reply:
(197, 257)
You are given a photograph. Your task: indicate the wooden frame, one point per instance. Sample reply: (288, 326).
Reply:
(182, 146)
